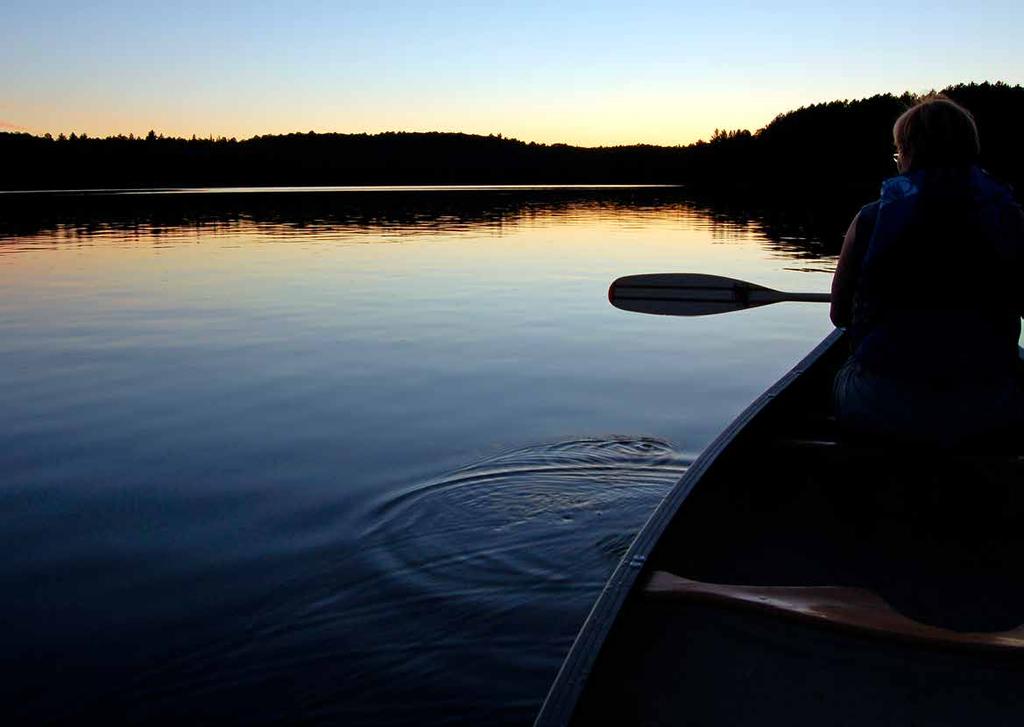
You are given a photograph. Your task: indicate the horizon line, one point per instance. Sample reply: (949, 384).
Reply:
(211, 137)
(9, 127)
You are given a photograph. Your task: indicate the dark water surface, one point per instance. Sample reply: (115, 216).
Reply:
(346, 456)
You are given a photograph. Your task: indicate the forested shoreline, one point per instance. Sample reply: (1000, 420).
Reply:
(840, 149)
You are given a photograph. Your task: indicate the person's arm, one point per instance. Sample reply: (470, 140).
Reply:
(844, 282)
(1020, 259)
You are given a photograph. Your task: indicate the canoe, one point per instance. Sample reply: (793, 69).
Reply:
(795, 577)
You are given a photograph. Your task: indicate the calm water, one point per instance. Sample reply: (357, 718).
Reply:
(347, 456)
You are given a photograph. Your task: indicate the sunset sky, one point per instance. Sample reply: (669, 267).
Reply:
(590, 73)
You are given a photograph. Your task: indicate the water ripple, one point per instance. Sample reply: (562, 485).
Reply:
(465, 590)
(544, 514)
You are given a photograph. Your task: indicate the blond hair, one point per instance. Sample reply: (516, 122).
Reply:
(937, 132)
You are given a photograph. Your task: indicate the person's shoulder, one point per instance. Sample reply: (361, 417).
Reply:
(870, 209)
(864, 222)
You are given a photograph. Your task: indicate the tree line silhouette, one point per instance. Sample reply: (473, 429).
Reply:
(837, 150)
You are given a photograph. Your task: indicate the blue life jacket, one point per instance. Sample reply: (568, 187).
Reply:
(937, 301)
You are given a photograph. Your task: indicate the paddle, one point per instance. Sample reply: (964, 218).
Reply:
(694, 294)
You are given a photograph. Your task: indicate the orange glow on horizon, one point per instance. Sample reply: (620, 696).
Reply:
(609, 120)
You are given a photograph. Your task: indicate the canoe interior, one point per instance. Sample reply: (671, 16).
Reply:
(937, 534)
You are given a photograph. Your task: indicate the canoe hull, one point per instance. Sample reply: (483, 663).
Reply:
(561, 700)
(780, 502)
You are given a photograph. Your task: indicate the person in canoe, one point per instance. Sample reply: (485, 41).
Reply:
(929, 287)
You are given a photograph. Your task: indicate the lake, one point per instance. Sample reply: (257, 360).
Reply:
(348, 455)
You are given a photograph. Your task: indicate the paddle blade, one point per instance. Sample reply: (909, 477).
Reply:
(687, 294)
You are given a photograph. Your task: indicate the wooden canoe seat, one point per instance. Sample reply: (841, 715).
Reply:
(849, 608)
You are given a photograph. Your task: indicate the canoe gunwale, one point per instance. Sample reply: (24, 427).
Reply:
(561, 700)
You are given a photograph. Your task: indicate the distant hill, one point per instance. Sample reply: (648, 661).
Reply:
(321, 159)
(837, 149)
(845, 147)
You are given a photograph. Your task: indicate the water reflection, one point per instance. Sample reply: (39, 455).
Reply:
(238, 433)
(392, 213)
